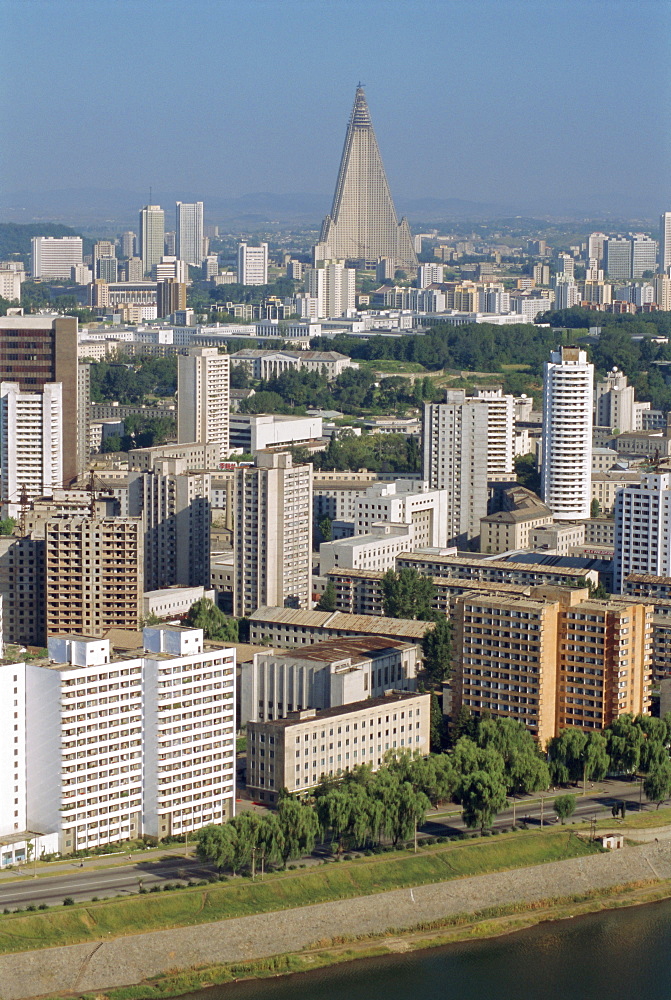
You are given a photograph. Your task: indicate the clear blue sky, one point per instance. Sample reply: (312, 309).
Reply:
(524, 102)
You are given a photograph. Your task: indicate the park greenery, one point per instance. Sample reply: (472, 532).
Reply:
(133, 380)
(216, 626)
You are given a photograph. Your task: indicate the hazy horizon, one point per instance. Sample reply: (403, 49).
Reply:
(522, 106)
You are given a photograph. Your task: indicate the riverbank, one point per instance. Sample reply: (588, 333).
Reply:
(338, 930)
(492, 923)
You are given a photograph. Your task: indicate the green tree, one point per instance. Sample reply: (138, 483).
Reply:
(437, 651)
(594, 508)
(566, 756)
(218, 844)
(596, 759)
(625, 742)
(657, 782)
(408, 594)
(205, 614)
(524, 768)
(482, 796)
(437, 725)
(299, 828)
(526, 471)
(326, 528)
(327, 601)
(7, 525)
(564, 806)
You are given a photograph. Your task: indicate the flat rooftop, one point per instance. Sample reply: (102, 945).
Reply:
(393, 698)
(368, 624)
(355, 649)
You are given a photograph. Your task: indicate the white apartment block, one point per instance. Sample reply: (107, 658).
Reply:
(256, 432)
(466, 442)
(642, 526)
(295, 753)
(376, 550)
(111, 747)
(405, 501)
(567, 434)
(252, 264)
(429, 274)
(189, 230)
(151, 242)
(332, 285)
(644, 251)
(10, 285)
(203, 398)
(54, 257)
(273, 534)
(665, 242)
(172, 267)
(325, 675)
(31, 448)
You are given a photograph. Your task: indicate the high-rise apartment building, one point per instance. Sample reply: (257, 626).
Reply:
(252, 264)
(54, 257)
(642, 528)
(170, 296)
(189, 230)
(35, 350)
(203, 398)
(663, 292)
(128, 243)
(617, 258)
(665, 242)
(615, 402)
(567, 434)
(333, 287)
(273, 534)
(595, 245)
(151, 240)
(565, 264)
(363, 225)
(429, 274)
(93, 574)
(134, 779)
(567, 293)
(175, 506)
(552, 660)
(466, 442)
(31, 443)
(644, 251)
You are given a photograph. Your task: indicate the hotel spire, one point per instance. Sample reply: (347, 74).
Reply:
(363, 225)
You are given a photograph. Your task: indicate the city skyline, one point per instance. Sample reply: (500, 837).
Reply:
(512, 129)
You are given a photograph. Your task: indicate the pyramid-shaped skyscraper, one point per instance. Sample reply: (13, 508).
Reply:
(363, 225)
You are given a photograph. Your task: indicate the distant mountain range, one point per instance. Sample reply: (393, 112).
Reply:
(97, 210)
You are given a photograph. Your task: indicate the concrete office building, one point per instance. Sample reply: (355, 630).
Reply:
(552, 660)
(375, 550)
(644, 254)
(595, 248)
(54, 257)
(31, 451)
(93, 574)
(128, 243)
(567, 434)
(36, 350)
(10, 285)
(135, 779)
(642, 526)
(252, 264)
(296, 752)
(203, 398)
(490, 570)
(405, 501)
(617, 258)
(362, 225)
(151, 240)
(511, 528)
(256, 432)
(615, 403)
(287, 627)
(273, 534)
(466, 442)
(189, 230)
(325, 675)
(175, 507)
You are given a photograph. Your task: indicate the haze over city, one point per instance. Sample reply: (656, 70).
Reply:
(514, 107)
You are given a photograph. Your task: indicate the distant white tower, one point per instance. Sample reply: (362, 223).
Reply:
(665, 242)
(363, 225)
(189, 230)
(152, 235)
(566, 474)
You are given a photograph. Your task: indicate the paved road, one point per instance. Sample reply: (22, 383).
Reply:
(81, 884)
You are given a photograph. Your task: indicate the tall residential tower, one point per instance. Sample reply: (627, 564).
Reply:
(566, 474)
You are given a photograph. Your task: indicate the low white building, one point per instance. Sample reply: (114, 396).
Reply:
(405, 501)
(375, 550)
(256, 432)
(172, 601)
(110, 747)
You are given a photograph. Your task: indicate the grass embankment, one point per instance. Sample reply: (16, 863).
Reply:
(283, 890)
(638, 821)
(492, 922)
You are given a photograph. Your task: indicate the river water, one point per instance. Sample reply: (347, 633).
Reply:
(616, 955)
